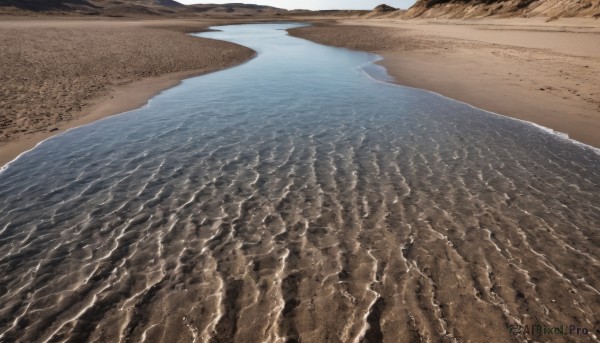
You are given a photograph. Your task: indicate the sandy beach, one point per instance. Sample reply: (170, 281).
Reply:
(60, 73)
(544, 72)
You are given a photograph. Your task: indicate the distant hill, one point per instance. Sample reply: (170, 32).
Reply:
(385, 11)
(331, 13)
(133, 7)
(457, 9)
(137, 7)
(235, 8)
(47, 5)
(383, 8)
(166, 3)
(106, 7)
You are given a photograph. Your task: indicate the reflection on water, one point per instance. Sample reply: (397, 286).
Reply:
(294, 199)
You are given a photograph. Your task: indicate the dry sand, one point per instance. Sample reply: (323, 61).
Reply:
(58, 73)
(544, 72)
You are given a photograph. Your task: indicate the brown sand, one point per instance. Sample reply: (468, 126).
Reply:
(546, 73)
(323, 233)
(61, 73)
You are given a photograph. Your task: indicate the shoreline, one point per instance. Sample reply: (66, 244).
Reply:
(62, 108)
(121, 99)
(546, 129)
(486, 68)
(409, 65)
(407, 72)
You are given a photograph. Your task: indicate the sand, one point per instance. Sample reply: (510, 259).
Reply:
(59, 73)
(544, 72)
(318, 226)
(311, 206)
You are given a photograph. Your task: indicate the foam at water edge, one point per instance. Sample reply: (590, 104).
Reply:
(548, 130)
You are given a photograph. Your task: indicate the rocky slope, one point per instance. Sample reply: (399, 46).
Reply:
(457, 9)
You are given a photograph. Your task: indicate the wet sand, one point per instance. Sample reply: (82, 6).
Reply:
(59, 73)
(546, 73)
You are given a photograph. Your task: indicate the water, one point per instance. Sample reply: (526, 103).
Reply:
(291, 199)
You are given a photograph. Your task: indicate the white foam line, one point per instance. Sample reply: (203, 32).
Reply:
(545, 129)
(489, 232)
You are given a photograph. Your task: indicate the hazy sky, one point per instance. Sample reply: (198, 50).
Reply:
(314, 4)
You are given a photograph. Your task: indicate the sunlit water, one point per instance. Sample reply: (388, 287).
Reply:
(294, 198)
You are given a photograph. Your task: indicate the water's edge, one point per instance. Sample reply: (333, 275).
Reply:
(296, 199)
(377, 58)
(392, 81)
(187, 76)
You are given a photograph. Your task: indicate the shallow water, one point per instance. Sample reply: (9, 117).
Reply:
(293, 198)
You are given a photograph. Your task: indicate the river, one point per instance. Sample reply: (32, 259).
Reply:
(297, 198)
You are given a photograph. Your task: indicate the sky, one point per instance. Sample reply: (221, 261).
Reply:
(314, 4)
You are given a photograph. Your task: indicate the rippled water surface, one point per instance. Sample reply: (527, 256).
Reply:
(295, 199)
